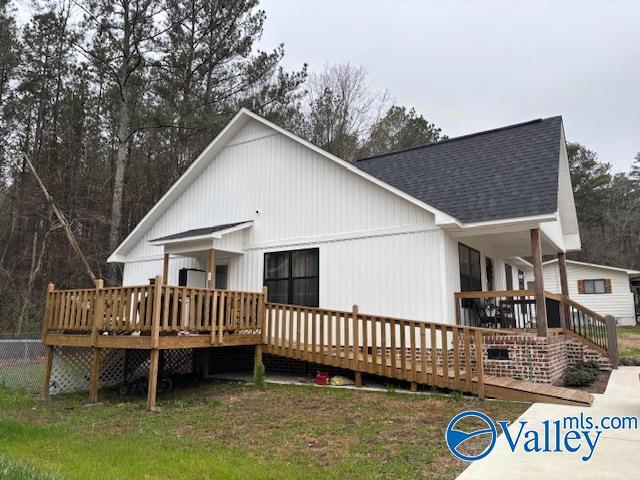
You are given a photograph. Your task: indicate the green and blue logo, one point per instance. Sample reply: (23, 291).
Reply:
(457, 439)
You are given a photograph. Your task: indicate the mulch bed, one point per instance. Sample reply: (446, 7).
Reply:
(599, 386)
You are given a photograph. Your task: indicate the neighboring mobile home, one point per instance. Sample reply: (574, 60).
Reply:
(397, 234)
(605, 290)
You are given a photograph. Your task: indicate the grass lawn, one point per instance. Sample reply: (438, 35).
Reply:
(229, 431)
(629, 341)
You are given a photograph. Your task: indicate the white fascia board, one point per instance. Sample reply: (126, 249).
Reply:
(572, 242)
(501, 226)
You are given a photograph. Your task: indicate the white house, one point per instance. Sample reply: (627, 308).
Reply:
(605, 290)
(397, 234)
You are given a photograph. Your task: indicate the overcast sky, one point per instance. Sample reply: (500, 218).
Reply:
(474, 65)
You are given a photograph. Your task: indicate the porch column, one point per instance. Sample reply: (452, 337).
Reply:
(541, 307)
(211, 269)
(564, 288)
(165, 269)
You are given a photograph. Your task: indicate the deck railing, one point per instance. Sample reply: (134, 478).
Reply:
(430, 353)
(516, 309)
(587, 324)
(125, 310)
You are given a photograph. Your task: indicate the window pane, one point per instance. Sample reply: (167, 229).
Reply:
(278, 291)
(474, 260)
(588, 286)
(598, 286)
(305, 263)
(276, 265)
(305, 292)
(465, 269)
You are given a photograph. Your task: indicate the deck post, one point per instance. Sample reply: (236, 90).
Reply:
(98, 312)
(356, 342)
(262, 315)
(153, 379)
(211, 269)
(155, 340)
(165, 267)
(479, 364)
(612, 341)
(96, 358)
(47, 312)
(564, 289)
(358, 379)
(257, 357)
(541, 307)
(413, 387)
(48, 365)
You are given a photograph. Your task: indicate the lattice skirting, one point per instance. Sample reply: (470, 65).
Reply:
(72, 367)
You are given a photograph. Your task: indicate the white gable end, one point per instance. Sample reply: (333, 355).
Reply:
(291, 192)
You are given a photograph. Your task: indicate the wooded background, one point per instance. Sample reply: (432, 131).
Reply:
(112, 101)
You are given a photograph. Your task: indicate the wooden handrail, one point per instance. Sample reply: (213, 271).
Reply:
(582, 308)
(494, 293)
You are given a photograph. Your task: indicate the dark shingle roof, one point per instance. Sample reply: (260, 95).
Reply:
(503, 173)
(196, 232)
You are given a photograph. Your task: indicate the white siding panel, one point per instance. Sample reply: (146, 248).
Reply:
(618, 303)
(394, 275)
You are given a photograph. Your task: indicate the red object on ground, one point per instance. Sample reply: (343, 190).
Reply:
(322, 378)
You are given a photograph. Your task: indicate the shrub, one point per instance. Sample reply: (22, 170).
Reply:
(580, 376)
(595, 366)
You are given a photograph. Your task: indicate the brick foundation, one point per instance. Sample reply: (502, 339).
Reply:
(537, 359)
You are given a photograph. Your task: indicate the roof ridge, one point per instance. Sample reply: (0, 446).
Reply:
(461, 137)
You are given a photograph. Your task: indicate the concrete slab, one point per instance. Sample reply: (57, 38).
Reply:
(616, 455)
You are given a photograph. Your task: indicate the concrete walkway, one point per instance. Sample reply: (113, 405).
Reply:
(616, 455)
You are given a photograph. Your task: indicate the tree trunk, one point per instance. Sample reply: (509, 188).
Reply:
(118, 181)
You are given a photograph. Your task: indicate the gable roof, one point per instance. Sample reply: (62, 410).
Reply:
(216, 146)
(504, 173)
(594, 265)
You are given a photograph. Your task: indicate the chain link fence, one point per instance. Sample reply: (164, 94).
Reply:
(22, 358)
(22, 364)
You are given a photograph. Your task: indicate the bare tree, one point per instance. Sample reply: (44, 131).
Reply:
(341, 106)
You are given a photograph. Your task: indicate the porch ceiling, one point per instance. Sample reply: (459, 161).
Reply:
(512, 244)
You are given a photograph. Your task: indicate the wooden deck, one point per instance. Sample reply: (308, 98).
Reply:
(168, 317)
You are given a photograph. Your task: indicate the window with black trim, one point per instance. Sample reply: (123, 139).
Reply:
(594, 286)
(470, 276)
(292, 277)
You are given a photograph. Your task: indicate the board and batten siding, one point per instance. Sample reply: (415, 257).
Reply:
(618, 303)
(376, 249)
